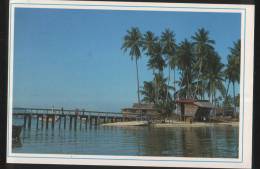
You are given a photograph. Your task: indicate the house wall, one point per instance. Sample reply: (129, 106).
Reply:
(190, 110)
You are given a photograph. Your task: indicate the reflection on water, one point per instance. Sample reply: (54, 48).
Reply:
(16, 143)
(144, 141)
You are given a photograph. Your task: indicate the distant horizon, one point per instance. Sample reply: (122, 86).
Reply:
(65, 58)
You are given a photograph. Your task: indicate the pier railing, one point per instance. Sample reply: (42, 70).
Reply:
(55, 111)
(61, 116)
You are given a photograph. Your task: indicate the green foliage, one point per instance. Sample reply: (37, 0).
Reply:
(149, 92)
(201, 72)
(133, 43)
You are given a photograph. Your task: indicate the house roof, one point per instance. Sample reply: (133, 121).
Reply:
(144, 105)
(185, 101)
(204, 104)
(131, 108)
(141, 106)
(199, 103)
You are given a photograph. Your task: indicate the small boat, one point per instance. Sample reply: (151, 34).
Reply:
(16, 132)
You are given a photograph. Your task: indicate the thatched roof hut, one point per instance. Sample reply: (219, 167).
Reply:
(194, 110)
(141, 110)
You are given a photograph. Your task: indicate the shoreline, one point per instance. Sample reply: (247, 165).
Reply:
(174, 124)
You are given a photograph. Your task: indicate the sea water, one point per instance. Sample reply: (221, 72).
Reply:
(214, 141)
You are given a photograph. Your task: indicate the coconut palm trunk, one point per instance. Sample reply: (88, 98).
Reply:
(169, 79)
(234, 96)
(137, 78)
(198, 79)
(174, 84)
(227, 89)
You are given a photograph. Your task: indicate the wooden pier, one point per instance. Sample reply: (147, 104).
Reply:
(73, 119)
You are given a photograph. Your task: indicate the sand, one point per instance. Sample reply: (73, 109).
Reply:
(174, 124)
(195, 124)
(128, 123)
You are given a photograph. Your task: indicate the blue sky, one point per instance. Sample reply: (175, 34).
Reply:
(72, 58)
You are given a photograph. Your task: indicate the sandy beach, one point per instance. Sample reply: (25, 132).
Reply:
(128, 123)
(173, 124)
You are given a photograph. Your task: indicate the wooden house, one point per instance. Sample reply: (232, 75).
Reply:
(194, 110)
(141, 110)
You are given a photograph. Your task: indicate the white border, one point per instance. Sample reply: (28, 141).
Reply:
(246, 88)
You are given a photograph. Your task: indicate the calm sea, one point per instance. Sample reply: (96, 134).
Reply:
(138, 141)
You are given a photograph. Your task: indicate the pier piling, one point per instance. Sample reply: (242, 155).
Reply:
(47, 122)
(53, 121)
(65, 118)
(29, 121)
(70, 122)
(37, 122)
(42, 122)
(48, 116)
(75, 122)
(24, 121)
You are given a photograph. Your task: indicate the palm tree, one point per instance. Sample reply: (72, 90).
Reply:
(149, 41)
(203, 46)
(215, 76)
(169, 48)
(233, 68)
(164, 101)
(148, 92)
(156, 62)
(133, 43)
(185, 62)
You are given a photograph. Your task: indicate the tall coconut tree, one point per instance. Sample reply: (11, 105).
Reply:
(133, 43)
(185, 63)
(169, 49)
(233, 68)
(149, 41)
(215, 77)
(202, 46)
(164, 100)
(148, 92)
(156, 62)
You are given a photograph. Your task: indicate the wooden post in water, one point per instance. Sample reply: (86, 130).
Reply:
(53, 121)
(90, 121)
(86, 122)
(42, 121)
(96, 120)
(24, 121)
(37, 122)
(47, 122)
(75, 123)
(70, 122)
(29, 121)
(80, 122)
(60, 122)
(65, 118)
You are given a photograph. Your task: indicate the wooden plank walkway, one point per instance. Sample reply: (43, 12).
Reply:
(64, 118)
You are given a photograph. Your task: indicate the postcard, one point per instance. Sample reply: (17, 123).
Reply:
(130, 84)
